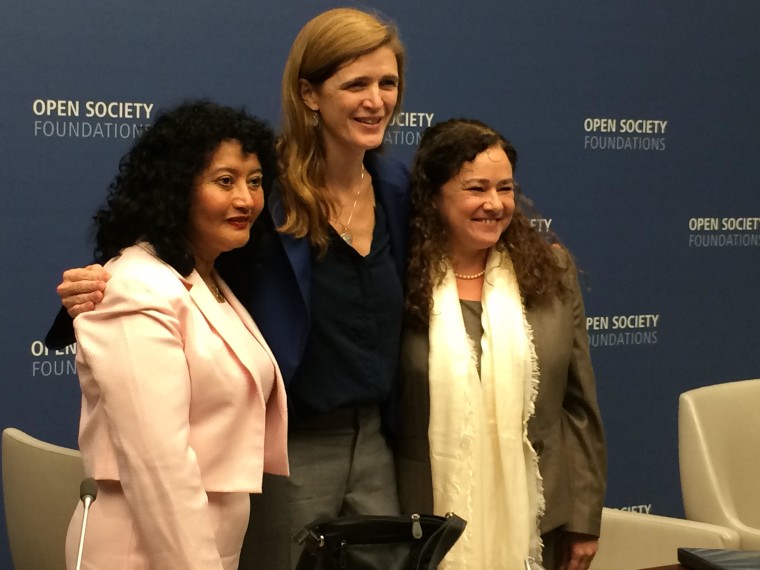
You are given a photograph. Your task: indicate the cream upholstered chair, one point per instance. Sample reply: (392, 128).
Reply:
(630, 541)
(719, 455)
(41, 490)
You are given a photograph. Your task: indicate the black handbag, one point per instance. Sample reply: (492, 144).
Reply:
(411, 542)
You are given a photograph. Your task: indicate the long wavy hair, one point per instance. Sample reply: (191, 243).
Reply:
(325, 44)
(149, 200)
(443, 150)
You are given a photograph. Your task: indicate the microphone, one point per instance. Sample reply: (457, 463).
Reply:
(88, 492)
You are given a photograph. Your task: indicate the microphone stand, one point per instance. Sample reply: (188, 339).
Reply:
(88, 491)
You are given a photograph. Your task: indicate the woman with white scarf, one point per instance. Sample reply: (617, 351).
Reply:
(499, 418)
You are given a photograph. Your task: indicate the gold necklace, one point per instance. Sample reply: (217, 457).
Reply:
(346, 233)
(218, 294)
(471, 276)
(214, 289)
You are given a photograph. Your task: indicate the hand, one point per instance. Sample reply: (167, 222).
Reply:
(82, 288)
(578, 550)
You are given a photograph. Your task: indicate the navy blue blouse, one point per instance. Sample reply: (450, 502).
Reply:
(352, 350)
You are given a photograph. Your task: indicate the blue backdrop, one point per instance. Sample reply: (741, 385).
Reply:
(637, 123)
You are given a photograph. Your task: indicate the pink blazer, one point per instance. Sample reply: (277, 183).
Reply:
(170, 408)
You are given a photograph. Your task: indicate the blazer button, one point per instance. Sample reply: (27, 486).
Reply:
(538, 447)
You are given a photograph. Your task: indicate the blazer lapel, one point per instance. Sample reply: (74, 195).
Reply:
(393, 195)
(211, 310)
(249, 323)
(277, 395)
(298, 251)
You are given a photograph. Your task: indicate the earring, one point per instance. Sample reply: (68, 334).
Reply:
(315, 119)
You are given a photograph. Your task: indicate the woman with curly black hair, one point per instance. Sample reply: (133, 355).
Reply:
(499, 419)
(183, 404)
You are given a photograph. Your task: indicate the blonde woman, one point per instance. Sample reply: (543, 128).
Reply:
(336, 263)
(333, 253)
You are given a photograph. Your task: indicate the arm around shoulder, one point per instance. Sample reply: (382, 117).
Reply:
(80, 290)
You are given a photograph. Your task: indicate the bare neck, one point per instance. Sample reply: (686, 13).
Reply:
(204, 267)
(343, 170)
(469, 263)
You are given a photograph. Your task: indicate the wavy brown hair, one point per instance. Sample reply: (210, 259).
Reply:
(325, 44)
(444, 148)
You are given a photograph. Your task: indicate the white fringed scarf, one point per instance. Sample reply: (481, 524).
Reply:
(483, 465)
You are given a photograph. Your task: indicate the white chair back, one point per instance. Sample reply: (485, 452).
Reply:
(719, 456)
(41, 490)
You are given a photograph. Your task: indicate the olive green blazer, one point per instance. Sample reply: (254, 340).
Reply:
(566, 430)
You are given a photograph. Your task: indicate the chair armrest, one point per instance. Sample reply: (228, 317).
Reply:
(630, 541)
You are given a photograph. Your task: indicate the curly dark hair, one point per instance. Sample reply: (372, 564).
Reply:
(149, 200)
(443, 149)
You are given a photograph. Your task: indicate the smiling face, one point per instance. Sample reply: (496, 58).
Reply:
(356, 103)
(477, 203)
(227, 198)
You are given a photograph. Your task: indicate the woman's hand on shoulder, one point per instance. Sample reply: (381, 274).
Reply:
(82, 288)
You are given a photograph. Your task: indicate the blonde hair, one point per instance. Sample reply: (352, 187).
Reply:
(326, 43)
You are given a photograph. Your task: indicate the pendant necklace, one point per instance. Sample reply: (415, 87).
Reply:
(346, 233)
(214, 289)
(218, 294)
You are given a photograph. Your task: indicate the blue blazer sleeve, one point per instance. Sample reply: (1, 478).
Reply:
(61, 334)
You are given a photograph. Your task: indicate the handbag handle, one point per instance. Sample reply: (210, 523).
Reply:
(441, 542)
(321, 541)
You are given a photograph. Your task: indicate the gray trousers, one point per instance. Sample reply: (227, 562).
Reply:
(340, 465)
